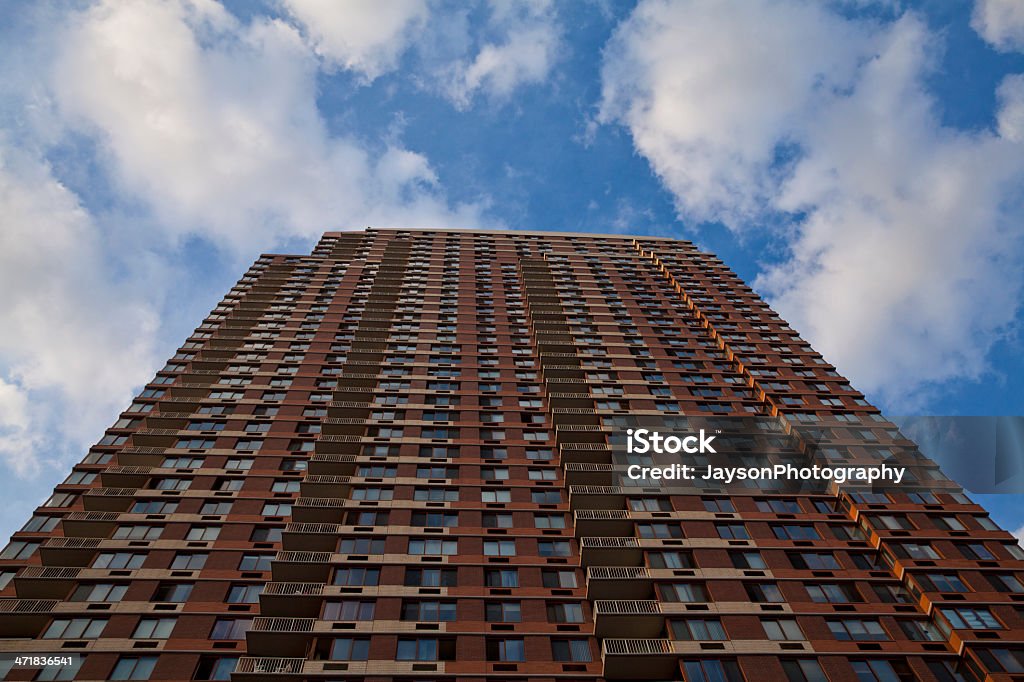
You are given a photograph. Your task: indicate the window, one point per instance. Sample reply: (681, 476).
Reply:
(833, 593)
(434, 546)
(698, 629)
(818, 561)
(425, 649)
(913, 550)
(133, 668)
(495, 496)
(266, 534)
(764, 592)
(154, 628)
(75, 628)
(255, 562)
(118, 560)
(976, 551)
(245, 594)
(966, 618)
(60, 500)
(881, 670)
(712, 670)
(277, 509)
(795, 532)
(499, 548)
(920, 630)
(203, 533)
(350, 649)
(1005, 582)
(779, 506)
(100, 592)
(502, 612)
(429, 611)
(780, 629)
(803, 670)
(357, 577)
(565, 613)
(230, 628)
(58, 672)
(732, 531)
(18, 549)
(747, 560)
(683, 592)
(510, 649)
(493, 520)
(571, 650)
(942, 582)
(546, 548)
(189, 562)
(215, 508)
(172, 592)
(718, 504)
(349, 609)
(559, 579)
(430, 577)
(290, 486)
(501, 577)
(40, 524)
(858, 629)
(361, 545)
(216, 667)
(1002, 659)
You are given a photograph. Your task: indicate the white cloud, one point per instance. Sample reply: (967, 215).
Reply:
(215, 124)
(1000, 23)
(74, 332)
(709, 90)
(1010, 120)
(169, 124)
(904, 250)
(516, 45)
(1019, 534)
(526, 42)
(366, 36)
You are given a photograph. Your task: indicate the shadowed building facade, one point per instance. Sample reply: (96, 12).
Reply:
(391, 459)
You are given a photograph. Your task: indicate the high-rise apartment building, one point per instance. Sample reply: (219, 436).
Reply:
(392, 459)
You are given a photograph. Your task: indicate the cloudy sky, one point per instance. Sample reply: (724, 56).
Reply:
(860, 162)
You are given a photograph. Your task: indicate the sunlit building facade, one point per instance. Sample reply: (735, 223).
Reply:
(391, 459)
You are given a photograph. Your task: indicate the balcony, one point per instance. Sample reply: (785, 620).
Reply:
(600, 496)
(46, 582)
(639, 659)
(283, 636)
(603, 522)
(634, 617)
(126, 476)
(325, 486)
(89, 524)
(326, 464)
(620, 582)
(585, 473)
(596, 453)
(311, 537)
(611, 551)
(25, 617)
(296, 600)
(109, 499)
(68, 551)
(302, 566)
(320, 509)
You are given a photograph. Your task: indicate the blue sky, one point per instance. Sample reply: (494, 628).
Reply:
(861, 163)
